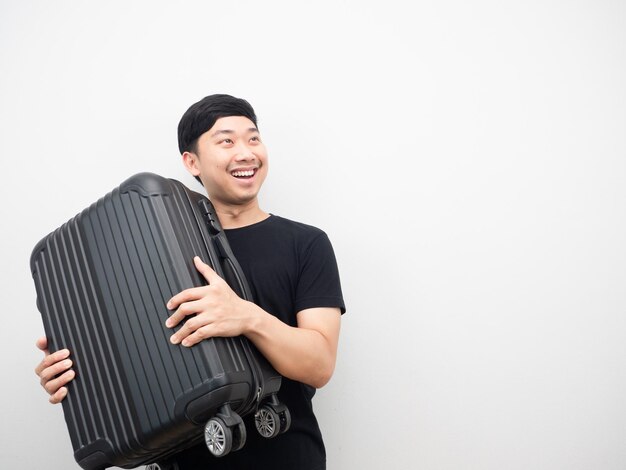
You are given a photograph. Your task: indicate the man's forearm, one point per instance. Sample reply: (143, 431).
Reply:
(306, 353)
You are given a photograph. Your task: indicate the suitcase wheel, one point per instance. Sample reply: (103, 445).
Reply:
(218, 437)
(285, 420)
(162, 466)
(272, 419)
(267, 422)
(239, 436)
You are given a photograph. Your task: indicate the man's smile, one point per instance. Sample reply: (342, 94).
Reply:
(244, 174)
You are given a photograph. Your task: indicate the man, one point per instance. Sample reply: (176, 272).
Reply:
(293, 275)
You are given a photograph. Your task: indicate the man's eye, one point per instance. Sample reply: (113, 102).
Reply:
(227, 141)
(255, 139)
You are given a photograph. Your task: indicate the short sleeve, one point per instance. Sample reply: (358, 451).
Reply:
(318, 282)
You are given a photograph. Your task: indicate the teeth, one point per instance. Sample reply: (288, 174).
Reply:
(243, 173)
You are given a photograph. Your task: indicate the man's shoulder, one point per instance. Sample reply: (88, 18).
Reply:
(295, 227)
(282, 231)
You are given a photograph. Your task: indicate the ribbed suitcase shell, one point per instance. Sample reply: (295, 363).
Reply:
(102, 282)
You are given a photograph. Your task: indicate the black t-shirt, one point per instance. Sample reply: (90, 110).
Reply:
(290, 267)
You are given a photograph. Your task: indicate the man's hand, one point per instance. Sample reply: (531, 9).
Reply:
(305, 353)
(218, 310)
(54, 371)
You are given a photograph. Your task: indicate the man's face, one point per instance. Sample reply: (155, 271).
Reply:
(231, 161)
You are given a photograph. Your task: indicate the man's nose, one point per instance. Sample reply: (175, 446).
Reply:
(244, 153)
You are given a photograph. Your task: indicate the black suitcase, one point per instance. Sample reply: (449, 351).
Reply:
(102, 280)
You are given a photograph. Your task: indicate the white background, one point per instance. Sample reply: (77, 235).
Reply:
(467, 159)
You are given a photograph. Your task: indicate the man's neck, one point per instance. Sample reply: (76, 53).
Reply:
(239, 216)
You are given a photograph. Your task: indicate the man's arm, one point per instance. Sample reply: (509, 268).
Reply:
(306, 353)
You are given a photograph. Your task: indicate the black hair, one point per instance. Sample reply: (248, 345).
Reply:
(201, 116)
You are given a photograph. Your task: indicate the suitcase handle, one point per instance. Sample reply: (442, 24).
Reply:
(209, 216)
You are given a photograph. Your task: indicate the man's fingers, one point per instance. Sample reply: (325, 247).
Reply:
(42, 344)
(53, 386)
(58, 396)
(191, 325)
(186, 309)
(51, 359)
(198, 335)
(188, 295)
(55, 369)
(209, 274)
(194, 293)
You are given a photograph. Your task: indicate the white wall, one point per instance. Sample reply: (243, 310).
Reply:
(468, 160)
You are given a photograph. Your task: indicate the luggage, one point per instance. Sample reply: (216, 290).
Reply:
(102, 280)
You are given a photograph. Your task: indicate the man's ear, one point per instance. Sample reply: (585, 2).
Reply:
(190, 160)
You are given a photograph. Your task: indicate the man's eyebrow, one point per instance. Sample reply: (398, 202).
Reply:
(230, 131)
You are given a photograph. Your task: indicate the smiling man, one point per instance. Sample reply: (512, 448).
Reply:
(291, 270)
